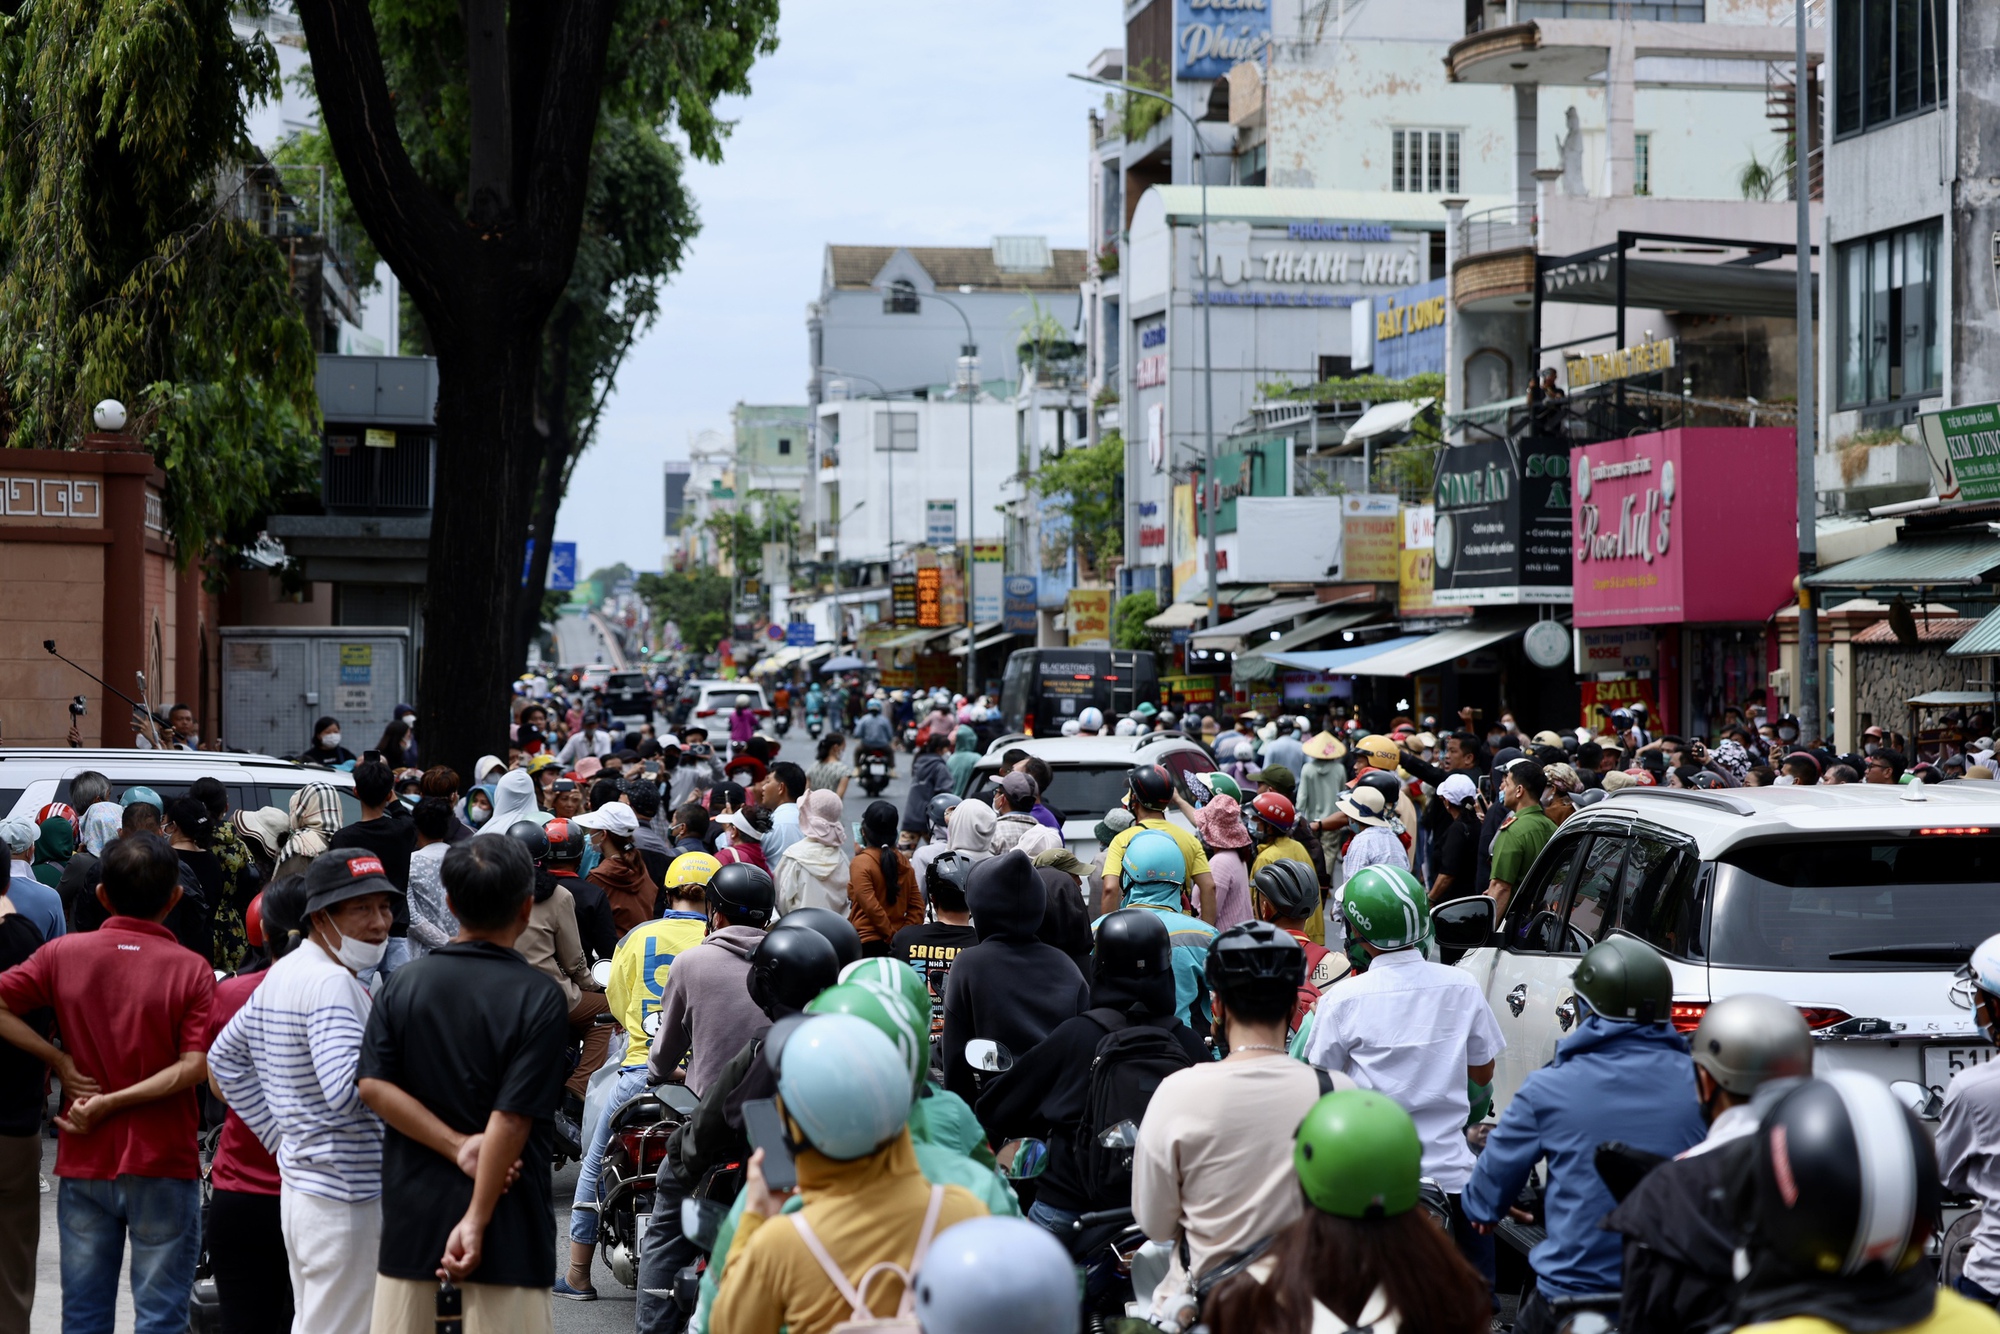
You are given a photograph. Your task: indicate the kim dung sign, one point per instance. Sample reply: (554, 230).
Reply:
(1964, 445)
(1503, 523)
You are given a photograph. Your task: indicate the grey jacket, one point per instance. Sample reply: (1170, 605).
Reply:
(706, 1014)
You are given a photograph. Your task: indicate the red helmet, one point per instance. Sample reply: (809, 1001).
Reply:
(1275, 809)
(62, 808)
(253, 923)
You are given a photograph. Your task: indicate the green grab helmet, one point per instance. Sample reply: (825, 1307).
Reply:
(1386, 907)
(1357, 1155)
(887, 1012)
(1222, 784)
(1623, 979)
(893, 976)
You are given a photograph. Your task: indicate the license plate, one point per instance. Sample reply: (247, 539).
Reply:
(1941, 1063)
(641, 1222)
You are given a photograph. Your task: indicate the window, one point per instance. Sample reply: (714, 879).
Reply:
(1642, 164)
(1423, 161)
(1532, 915)
(901, 298)
(1659, 898)
(896, 431)
(1596, 895)
(1887, 61)
(784, 445)
(1250, 166)
(1332, 368)
(1888, 331)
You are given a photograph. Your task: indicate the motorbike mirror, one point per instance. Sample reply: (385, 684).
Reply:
(700, 1220)
(1124, 1135)
(1030, 1160)
(1919, 1098)
(984, 1054)
(651, 1023)
(600, 972)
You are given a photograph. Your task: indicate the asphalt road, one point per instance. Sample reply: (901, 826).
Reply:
(584, 638)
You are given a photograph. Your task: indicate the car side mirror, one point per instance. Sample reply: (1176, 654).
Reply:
(1465, 924)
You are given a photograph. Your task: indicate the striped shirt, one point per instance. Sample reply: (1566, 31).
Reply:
(289, 1064)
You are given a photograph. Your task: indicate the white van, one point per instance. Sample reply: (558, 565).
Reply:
(32, 778)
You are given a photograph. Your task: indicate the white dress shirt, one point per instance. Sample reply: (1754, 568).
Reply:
(1408, 1028)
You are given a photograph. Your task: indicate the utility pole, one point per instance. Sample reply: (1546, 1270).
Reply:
(1811, 719)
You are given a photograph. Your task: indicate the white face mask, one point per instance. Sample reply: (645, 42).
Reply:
(480, 814)
(1784, 780)
(358, 955)
(330, 740)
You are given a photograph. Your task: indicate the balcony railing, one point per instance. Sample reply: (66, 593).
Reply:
(1508, 227)
(357, 477)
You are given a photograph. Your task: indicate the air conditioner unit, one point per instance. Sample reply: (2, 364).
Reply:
(1780, 682)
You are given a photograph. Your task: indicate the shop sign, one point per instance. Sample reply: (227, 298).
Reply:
(1666, 532)
(1370, 533)
(1601, 698)
(1620, 650)
(1152, 525)
(928, 588)
(940, 522)
(1416, 568)
(1260, 469)
(1185, 538)
(1186, 690)
(800, 634)
(1315, 687)
(903, 599)
(1246, 262)
(951, 590)
(1409, 331)
(1149, 371)
(1022, 598)
(1213, 36)
(1501, 535)
(1964, 445)
(1600, 367)
(1088, 617)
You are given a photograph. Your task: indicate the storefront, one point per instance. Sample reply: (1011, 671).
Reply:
(1680, 560)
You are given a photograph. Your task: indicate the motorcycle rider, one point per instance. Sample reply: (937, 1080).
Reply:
(1623, 1071)
(1844, 1199)
(1968, 1136)
(1415, 1030)
(1154, 877)
(997, 1276)
(930, 779)
(1269, 818)
(845, 1097)
(1213, 1166)
(1363, 1256)
(1679, 1228)
(1286, 895)
(937, 834)
(1148, 792)
(873, 733)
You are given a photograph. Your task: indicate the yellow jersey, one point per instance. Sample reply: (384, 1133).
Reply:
(639, 975)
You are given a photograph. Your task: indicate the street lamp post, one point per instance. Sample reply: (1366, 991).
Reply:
(1207, 330)
(1809, 712)
(969, 354)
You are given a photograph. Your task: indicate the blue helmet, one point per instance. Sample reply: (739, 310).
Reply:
(1152, 858)
(845, 1085)
(995, 1276)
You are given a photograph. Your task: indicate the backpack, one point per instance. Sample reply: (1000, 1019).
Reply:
(1130, 1061)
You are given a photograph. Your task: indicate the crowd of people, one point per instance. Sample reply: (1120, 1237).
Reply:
(329, 1055)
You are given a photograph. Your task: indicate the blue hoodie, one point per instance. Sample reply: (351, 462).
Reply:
(1628, 1082)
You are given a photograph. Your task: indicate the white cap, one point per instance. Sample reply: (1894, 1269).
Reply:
(1458, 789)
(616, 818)
(668, 739)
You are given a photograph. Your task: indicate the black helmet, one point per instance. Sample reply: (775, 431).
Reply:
(941, 808)
(789, 968)
(839, 932)
(1291, 887)
(1385, 783)
(530, 836)
(1253, 961)
(954, 868)
(743, 893)
(1625, 981)
(1151, 787)
(565, 839)
(1847, 1179)
(1132, 943)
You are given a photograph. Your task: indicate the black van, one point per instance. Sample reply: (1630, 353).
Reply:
(1043, 688)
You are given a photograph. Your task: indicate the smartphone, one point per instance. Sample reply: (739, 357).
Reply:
(767, 1132)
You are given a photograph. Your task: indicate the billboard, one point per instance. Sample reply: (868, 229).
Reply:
(1503, 523)
(1370, 534)
(1088, 617)
(1210, 36)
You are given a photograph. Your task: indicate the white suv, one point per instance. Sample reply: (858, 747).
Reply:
(32, 778)
(1856, 903)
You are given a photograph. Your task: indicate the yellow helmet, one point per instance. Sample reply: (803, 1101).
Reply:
(691, 868)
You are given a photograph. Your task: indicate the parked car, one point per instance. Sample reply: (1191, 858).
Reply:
(32, 778)
(1087, 775)
(1856, 903)
(628, 699)
(716, 704)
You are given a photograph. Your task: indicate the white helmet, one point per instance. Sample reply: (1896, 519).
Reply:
(1090, 720)
(996, 1276)
(1069, 727)
(1125, 727)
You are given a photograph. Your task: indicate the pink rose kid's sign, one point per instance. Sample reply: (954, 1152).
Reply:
(1684, 526)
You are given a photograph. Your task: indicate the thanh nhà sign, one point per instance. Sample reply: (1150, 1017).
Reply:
(1600, 367)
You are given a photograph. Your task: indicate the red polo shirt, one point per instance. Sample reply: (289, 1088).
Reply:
(242, 1163)
(129, 1000)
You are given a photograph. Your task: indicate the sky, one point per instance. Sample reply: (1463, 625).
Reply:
(898, 122)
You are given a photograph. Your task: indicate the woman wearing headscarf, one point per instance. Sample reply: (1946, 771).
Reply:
(55, 844)
(961, 760)
(969, 831)
(514, 799)
(1230, 852)
(882, 892)
(312, 818)
(813, 872)
(78, 886)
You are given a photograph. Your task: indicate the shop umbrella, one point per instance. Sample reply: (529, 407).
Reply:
(846, 662)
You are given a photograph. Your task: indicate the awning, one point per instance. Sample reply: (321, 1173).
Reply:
(1946, 699)
(1384, 418)
(1430, 650)
(1966, 557)
(1337, 660)
(908, 639)
(816, 653)
(1485, 413)
(1664, 284)
(1234, 634)
(1180, 616)
(1981, 641)
(985, 643)
(1258, 666)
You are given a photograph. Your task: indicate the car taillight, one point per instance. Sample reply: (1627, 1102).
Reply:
(763, 713)
(645, 1149)
(1028, 727)
(1686, 1015)
(1823, 1016)
(704, 713)
(1970, 829)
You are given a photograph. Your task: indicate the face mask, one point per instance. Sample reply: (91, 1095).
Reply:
(330, 740)
(410, 718)
(480, 815)
(1788, 733)
(1783, 780)
(359, 955)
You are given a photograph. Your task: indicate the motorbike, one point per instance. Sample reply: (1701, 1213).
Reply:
(781, 721)
(910, 737)
(640, 1128)
(814, 725)
(702, 1214)
(874, 771)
